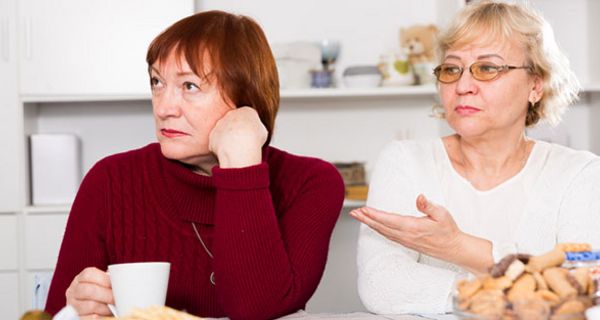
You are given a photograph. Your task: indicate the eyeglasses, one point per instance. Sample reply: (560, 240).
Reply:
(482, 71)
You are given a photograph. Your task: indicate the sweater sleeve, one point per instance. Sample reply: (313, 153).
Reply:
(83, 243)
(579, 215)
(267, 263)
(391, 278)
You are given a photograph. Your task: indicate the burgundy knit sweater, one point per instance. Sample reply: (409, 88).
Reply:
(268, 227)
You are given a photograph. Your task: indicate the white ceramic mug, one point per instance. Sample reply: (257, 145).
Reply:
(138, 285)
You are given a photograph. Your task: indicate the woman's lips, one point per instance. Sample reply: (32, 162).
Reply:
(170, 133)
(466, 110)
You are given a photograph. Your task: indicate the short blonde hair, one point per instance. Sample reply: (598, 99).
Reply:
(484, 22)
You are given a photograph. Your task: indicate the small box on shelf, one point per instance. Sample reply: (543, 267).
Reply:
(357, 192)
(356, 188)
(55, 168)
(353, 173)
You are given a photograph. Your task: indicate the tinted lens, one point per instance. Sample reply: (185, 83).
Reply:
(448, 73)
(485, 71)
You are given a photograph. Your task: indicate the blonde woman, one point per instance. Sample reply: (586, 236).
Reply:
(487, 190)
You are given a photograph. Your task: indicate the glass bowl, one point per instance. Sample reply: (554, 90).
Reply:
(509, 313)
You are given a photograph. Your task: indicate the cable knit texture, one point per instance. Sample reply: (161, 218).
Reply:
(268, 227)
(554, 198)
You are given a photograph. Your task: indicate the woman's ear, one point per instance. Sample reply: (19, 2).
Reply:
(537, 90)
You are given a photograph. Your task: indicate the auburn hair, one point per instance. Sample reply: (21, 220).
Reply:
(239, 55)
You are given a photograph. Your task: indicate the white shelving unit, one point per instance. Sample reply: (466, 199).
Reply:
(379, 92)
(299, 94)
(285, 95)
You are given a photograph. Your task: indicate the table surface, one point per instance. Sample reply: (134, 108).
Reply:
(303, 315)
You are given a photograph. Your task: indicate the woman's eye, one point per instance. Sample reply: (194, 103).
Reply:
(488, 68)
(451, 70)
(190, 86)
(154, 82)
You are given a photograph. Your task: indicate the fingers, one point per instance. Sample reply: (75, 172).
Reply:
(90, 292)
(389, 219)
(241, 113)
(362, 215)
(91, 309)
(93, 292)
(94, 275)
(392, 220)
(431, 209)
(432, 234)
(397, 228)
(422, 203)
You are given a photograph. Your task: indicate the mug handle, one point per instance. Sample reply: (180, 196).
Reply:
(112, 307)
(113, 310)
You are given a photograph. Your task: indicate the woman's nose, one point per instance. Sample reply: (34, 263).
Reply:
(167, 104)
(466, 84)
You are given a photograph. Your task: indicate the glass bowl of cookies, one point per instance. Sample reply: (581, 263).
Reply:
(522, 286)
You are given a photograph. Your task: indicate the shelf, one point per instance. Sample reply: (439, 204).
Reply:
(425, 90)
(85, 98)
(353, 203)
(285, 94)
(591, 87)
(291, 94)
(48, 209)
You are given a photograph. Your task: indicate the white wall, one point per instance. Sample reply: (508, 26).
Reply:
(577, 30)
(593, 27)
(352, 129)
(365, 28)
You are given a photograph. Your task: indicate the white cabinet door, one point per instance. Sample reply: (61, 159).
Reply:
(73, 47)
(12, 179)
(43, 236)
(8, 242)
(9, 298)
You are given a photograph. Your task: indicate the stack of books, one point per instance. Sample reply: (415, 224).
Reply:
(353, 174)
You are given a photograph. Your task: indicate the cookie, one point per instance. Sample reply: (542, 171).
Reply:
(497, 283)
(534, 308)
(539, 280)
(489, 303)
(556, 278)
(550, 259)
(574, 247)
(523, 288)
(467, 288)
(548, 296)
(515, 270)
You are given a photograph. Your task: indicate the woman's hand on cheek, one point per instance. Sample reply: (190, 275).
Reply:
(435, 234)
(237, 138)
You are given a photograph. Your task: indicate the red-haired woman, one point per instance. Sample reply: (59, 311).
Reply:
(245, 226)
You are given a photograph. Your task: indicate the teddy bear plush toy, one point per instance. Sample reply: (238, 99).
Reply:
(419, 41)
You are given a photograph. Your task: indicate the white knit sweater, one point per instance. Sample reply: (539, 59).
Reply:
(554, 198)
